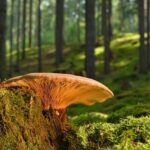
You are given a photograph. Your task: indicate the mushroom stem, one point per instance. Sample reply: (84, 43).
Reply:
(62, 115)
(1, 85)
(59, 113)
(60, 121)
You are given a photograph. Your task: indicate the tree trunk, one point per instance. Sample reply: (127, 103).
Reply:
(30, 23)
(11, 39)
(98, 20)
(148, 32)
(90, 38)
(29, 127)
(24, 29)
(78, 22)
(122, 15)
(110, 31)
(106, 34)
(59, 28)
(110, 17)
(36, 26)
(2, 39)
(18, 37)
(39, 38)
(143, 62)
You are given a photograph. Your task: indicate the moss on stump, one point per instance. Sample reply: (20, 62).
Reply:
(23, 125)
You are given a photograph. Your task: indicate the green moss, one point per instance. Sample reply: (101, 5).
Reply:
(23, 125)
(138, 98)
(130, 132)
(137, 111)
(87, 118)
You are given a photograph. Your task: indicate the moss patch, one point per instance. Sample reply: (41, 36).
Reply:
(23, 125)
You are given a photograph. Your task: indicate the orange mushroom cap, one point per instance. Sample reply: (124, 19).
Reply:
(58, 91)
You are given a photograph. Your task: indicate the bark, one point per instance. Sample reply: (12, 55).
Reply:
(98, 20)
(122, 16)
(39, 38)
(36, 27)
(90, 38)
(2, 39)
(103, 16)
(106, 34)
(11, 39)
(143, 62)
(110, 31)
(110, 17)
(59, 28)
(148, 32)
(24, 29)
(78, 22)
(30, 23)
(18, 37)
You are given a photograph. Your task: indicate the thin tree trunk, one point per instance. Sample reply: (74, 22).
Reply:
(3, 5)
(11, 39)
(106, 34)
(24, 29)
(78, 22)
(148, 32)
(110, 31)
(18, 37)
(122, 15)
(30, 23)
(103, 16)
(98, 20)
(39, 38)
(78, 30)
(90, 38)
(110, 17)
(59, 28)
(143, 63)
(36, 28)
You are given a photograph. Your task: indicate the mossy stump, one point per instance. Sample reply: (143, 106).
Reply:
(24, 125)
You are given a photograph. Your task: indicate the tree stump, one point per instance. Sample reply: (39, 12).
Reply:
(24, 124)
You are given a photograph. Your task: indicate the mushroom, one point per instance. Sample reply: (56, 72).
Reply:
(58, 91)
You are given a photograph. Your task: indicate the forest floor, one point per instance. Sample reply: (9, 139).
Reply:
(122, 122)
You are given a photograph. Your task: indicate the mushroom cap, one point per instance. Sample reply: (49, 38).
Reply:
(61, 90)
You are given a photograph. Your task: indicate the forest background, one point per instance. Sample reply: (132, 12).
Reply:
(107, 40)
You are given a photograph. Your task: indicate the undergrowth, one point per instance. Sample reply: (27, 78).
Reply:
(124, 123)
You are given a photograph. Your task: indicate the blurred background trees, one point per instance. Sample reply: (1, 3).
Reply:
(2, 39)
(90, 38)
(59, 31)
(46, 33)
